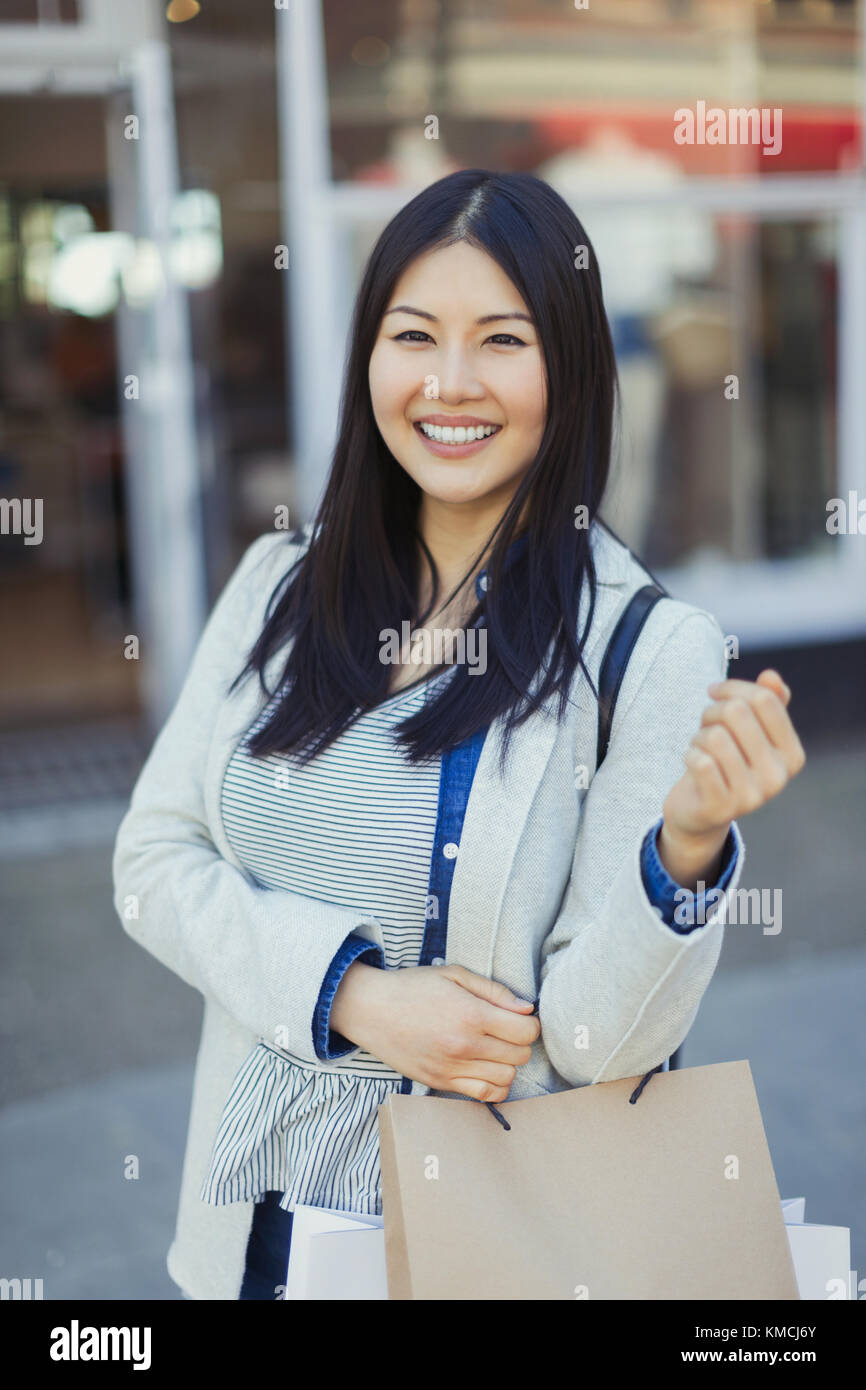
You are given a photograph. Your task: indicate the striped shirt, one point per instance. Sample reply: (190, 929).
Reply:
(354, 827)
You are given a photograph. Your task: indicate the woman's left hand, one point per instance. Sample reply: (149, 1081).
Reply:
(745, 752)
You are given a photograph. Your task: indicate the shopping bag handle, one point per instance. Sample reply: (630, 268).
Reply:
(631, 1100)
(637, 1090)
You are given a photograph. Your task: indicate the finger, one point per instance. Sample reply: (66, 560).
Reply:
(480, 1071)
(490, 990)
(780, 728)
(707, 771)
(739, 718)
(492, 1049)
(509, 1026)
(771, 714)
(735, 688)
(477, 1090)
(723, 748)
(773, 681)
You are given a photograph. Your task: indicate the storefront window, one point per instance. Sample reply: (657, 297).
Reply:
(722, 87)
(728, 380)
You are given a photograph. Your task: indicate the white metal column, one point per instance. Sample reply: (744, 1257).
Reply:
(176, 597)
(313, 339)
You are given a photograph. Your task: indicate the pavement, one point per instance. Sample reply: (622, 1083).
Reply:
(99, 1039)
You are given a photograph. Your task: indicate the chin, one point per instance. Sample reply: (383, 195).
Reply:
(453, 491)
(455, 497)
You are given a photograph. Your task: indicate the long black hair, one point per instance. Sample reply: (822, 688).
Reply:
(360, 573)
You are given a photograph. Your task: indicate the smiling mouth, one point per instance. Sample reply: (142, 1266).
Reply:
(457, 435)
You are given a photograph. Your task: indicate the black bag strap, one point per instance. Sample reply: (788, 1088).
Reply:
(613, 668)
(616, 658)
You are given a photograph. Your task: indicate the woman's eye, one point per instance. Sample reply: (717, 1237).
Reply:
(414, 335)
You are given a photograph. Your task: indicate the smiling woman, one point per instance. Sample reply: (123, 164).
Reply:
(496, 376)
(472, 311)
(387, 875)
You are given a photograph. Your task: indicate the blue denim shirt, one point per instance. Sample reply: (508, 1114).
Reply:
(455, 783)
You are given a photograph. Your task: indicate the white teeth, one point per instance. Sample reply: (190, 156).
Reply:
(446, 434)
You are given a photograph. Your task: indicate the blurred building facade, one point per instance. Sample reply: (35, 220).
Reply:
(184, 212)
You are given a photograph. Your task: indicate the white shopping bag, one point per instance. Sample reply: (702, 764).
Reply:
(336, 1255)
(341, 1255)
(821, 1254)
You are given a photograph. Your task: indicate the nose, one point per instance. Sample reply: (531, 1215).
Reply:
(455, 377)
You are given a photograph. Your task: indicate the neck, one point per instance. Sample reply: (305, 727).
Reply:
(457, 538)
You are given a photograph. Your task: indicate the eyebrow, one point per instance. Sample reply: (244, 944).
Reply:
(487, 318)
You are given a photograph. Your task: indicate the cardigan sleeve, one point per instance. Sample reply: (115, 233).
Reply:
(620, 986)
(261, 954)
(331, 1046)
(679, 907)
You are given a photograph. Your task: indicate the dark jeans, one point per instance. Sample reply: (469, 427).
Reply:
(267, 1250)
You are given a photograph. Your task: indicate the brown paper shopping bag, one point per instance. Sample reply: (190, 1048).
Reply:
(587, 1195)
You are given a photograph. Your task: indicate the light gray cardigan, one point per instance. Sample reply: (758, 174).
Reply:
(547, 892)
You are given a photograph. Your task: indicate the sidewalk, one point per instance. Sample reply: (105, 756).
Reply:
(68, 1214)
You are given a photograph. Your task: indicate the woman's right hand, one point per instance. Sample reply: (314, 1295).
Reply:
(442, 1025)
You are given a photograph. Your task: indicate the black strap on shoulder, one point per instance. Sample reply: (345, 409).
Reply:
(613, 668)
(610, 677)
(616, 658)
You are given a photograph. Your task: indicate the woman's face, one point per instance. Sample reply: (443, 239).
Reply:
(457, 349)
